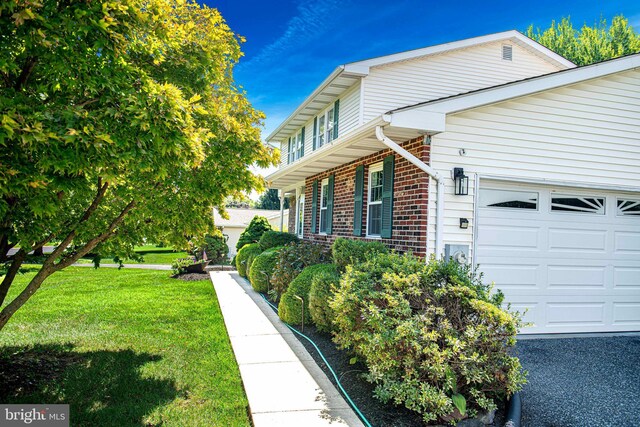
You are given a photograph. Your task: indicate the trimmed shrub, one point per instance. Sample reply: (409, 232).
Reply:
(323, 286)
(289, 308)
(254, 231)
(272, 239)
(243, 257)
(293, 259)
(432, 336)
(215, 245)
(262, 269)
(348, 251)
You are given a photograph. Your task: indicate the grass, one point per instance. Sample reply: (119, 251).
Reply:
(151, 255)
(123, 348)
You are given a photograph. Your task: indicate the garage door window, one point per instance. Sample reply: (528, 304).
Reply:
(493, 198)
(582, 204)
(628, 207)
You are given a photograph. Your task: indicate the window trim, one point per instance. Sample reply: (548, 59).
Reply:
(377, 167)
(299, 220)
(577, 196)
(324, 183)
(538, 200)
(328, 133)
(626, 199)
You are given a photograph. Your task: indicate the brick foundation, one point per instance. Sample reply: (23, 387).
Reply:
(410, 200)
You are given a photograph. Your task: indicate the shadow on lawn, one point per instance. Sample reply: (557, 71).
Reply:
(102, 387)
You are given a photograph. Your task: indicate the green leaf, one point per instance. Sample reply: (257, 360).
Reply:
(460, 403)
(353, 360)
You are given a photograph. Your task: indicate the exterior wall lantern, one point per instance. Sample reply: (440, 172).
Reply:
(461, 182)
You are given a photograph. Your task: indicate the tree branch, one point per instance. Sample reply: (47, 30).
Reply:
(26, 72)
(18, 259)
(72, 258)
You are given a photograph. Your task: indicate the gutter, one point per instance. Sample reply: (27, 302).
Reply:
(429, 171)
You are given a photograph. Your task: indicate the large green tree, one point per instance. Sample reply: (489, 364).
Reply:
(589, 44)
(119, 121)
(270, 200)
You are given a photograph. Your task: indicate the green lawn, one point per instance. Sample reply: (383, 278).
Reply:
(151, 254)
(123, 348)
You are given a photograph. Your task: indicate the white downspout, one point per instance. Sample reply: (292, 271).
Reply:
(281, 210)
(433, 174)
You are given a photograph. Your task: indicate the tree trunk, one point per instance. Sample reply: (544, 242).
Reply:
(38, 252)
(18, 259)
(24, 296)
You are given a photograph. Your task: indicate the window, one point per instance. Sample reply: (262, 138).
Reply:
(581, 204)
(374, 200)
(493, 198)
(296, 146)
(300, 216)
(628, 207)
(324, 203)
(325, 126)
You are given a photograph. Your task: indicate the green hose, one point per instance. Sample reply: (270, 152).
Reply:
(344, 392)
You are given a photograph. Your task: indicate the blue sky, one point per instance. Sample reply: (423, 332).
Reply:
(291, 46)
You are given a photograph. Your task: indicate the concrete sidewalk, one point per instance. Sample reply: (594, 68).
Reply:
(284, 385)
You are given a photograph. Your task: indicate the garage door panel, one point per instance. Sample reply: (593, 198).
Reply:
(627, 242)
(503, 237)
(564, 314)
(579, 239)
(575, 272)
(626, 313)
(626, 277)
(575, 276)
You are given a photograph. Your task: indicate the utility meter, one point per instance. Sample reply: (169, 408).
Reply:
(459, 253)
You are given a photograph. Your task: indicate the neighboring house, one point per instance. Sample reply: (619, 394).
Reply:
(548, 162)
(239, 219)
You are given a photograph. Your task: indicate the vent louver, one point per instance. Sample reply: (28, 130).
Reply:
(507, 52)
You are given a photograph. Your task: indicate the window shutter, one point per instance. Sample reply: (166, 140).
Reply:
(357, 201)
(387, 197)
(302, 146)
(330, 204)
(336, 114)
(315, 132)
(314, 207)
(289, 151)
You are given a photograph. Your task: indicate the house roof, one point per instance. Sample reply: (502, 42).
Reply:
(528, 86)
(429, 118)
(242, 217)
(345, 76)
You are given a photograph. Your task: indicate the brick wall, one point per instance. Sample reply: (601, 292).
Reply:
(410, 200)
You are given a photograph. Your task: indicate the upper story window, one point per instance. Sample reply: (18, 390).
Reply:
(296, 146)
(325, 126)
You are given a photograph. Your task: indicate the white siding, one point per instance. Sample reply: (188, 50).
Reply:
(348, 120)
(418, 80)
(349, 117)
(587, 133)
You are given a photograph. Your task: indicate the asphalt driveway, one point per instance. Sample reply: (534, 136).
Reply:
(590, 382)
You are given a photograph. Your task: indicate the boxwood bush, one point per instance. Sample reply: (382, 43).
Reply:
(289, 308)
(272, 239)
(348, 251)
(293, 259)
(432, 336)
(243, 256)
(253, 232)
(261, 269)
(323, 286)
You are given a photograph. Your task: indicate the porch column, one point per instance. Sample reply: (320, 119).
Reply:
(281, 194)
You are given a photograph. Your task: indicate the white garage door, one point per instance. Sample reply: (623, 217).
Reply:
(571, 257)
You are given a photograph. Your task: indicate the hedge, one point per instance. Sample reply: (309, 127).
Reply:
(323, 285)
(272, 239)
(243, 255)
(289, 308)
(348, 251)
(262, 269)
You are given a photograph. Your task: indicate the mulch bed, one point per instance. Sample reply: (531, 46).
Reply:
(191, 277)
(361, 391)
